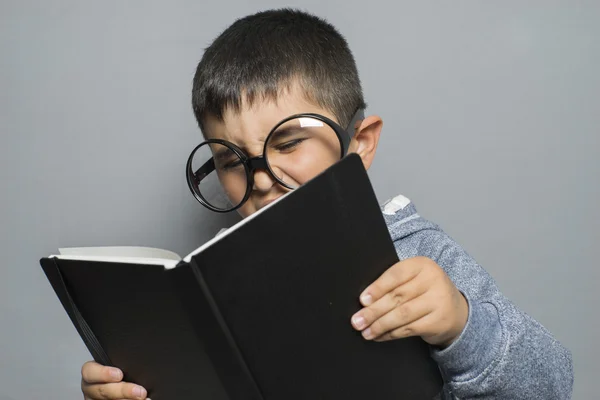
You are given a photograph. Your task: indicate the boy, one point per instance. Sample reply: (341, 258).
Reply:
(276, 64)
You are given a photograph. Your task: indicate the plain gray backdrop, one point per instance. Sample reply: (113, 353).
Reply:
(492, 116)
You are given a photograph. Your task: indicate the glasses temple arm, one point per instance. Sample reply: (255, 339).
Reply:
(204, 170)
(359, 115)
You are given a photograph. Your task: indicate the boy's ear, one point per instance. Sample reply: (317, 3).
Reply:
(365, 140)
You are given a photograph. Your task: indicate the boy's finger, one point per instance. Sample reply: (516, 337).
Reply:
(92, 372)
(114, 391)
(398, 320)
(392, 299)
(398, 274)
(415, 328)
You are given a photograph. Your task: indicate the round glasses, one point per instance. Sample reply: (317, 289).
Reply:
(220, 175)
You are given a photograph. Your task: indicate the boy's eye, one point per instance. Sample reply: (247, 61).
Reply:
(230, 164)
(289, 145)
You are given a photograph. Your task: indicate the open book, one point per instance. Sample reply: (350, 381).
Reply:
(261, 311)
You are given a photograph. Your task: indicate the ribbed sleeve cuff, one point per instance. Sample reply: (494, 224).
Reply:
(476, 349)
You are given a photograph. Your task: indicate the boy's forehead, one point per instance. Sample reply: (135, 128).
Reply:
(253, 121)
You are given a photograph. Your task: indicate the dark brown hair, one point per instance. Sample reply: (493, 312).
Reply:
(261, 54)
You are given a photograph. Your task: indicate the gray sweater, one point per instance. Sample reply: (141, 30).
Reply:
(502, 352)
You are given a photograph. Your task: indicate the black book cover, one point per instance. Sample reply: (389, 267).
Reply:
(263, 312)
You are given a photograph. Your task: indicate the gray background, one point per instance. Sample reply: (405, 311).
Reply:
(491, 114)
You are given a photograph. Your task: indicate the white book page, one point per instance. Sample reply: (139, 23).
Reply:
(120, 251)
(168, 264)
(122, 254)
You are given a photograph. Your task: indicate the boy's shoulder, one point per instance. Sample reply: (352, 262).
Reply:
(412, 234)
(402, 218)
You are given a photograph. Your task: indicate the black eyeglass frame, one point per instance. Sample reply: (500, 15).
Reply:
(251, 164)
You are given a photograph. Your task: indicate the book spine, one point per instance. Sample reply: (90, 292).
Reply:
(211, 327)
(53, 273)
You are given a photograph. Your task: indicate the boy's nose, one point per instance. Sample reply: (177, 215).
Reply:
(263, 181)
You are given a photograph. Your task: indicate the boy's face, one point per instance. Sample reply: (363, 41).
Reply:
(249, 128)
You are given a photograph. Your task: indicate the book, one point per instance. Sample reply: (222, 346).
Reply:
(260, 312)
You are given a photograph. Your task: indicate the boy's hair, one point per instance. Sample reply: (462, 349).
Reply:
(262, 54)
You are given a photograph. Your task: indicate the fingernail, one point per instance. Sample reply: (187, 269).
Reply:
(358, 321)
(139, 392)
(115, 373)
(366, 299)
(367, 333)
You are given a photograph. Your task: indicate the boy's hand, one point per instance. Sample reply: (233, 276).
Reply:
(414, 297)
(100, 383)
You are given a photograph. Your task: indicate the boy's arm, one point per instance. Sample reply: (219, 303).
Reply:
(502, 352)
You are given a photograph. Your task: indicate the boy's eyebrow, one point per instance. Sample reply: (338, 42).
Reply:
(223, 153)
(282, 133)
